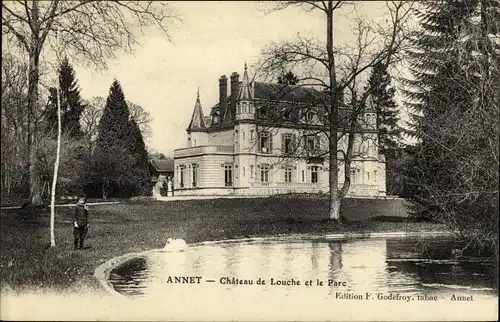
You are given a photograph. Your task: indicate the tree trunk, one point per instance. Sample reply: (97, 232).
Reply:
(34, 50)
(35, 198)
(54, 177)
(105, 189)
(348, 153)
(334, 210)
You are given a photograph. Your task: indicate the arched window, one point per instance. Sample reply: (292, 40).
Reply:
(310, 116)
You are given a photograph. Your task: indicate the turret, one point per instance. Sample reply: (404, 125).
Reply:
(197, 127)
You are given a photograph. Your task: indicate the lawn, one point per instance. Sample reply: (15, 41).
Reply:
(27, 262)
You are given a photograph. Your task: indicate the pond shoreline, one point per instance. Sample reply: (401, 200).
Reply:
(102, 272)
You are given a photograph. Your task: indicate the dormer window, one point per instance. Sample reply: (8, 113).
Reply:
(215, 118)
(286, 114)
(311, 143)
(310, 116)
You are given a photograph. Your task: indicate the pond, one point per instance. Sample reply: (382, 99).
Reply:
(419, 269)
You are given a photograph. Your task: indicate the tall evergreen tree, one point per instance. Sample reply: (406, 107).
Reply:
(389, 131)
(453, 175)
(113, 126)
(142, 182)
(382, 94)
(71, 103)
(435, 46)
(112, 161)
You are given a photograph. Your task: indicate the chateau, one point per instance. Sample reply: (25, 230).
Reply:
(263, 139)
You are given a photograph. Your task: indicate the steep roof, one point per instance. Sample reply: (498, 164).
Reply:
(163, 165)
(291, 103)
(279, 92)
(197, 119)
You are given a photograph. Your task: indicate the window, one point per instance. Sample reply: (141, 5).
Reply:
(244, 107)
(314, 174)
(238, 107)
(310, 116)
(251, 171)
(215, 118)
(251, 134)
(265, 142)
(288, 174)
(182, 173)
(311, 143)
(368, 176)
(353, 176)
(302, 175)
(287, 143)
(243, 171)
(286, 114)
(243, 134)
(236, 136)
(359, 120)
(264, 173)
(195, 175)
(228, 175)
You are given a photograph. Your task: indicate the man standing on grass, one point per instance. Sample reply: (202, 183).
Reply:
(80, 222)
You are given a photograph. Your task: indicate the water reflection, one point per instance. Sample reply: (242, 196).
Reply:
(365, 265)
(131, 276)
(438, 264)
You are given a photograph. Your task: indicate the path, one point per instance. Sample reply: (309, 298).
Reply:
(179, 198)
(69, 205)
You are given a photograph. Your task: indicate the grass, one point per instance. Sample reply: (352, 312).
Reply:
(27, 261)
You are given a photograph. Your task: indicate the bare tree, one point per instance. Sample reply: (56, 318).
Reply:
(91, 31)
(334, 70)
(14, 123)
(142, 117)
(90, 120)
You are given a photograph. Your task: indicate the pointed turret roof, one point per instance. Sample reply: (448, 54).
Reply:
(198, 119)
(245, 92)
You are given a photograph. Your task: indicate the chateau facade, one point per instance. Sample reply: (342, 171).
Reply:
(263, 139)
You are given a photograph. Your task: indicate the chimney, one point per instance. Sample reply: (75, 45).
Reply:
(222, 95)
(235, 82)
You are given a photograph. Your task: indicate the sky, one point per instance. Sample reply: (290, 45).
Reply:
(213, 38)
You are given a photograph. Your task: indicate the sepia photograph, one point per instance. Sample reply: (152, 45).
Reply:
(250, 160)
